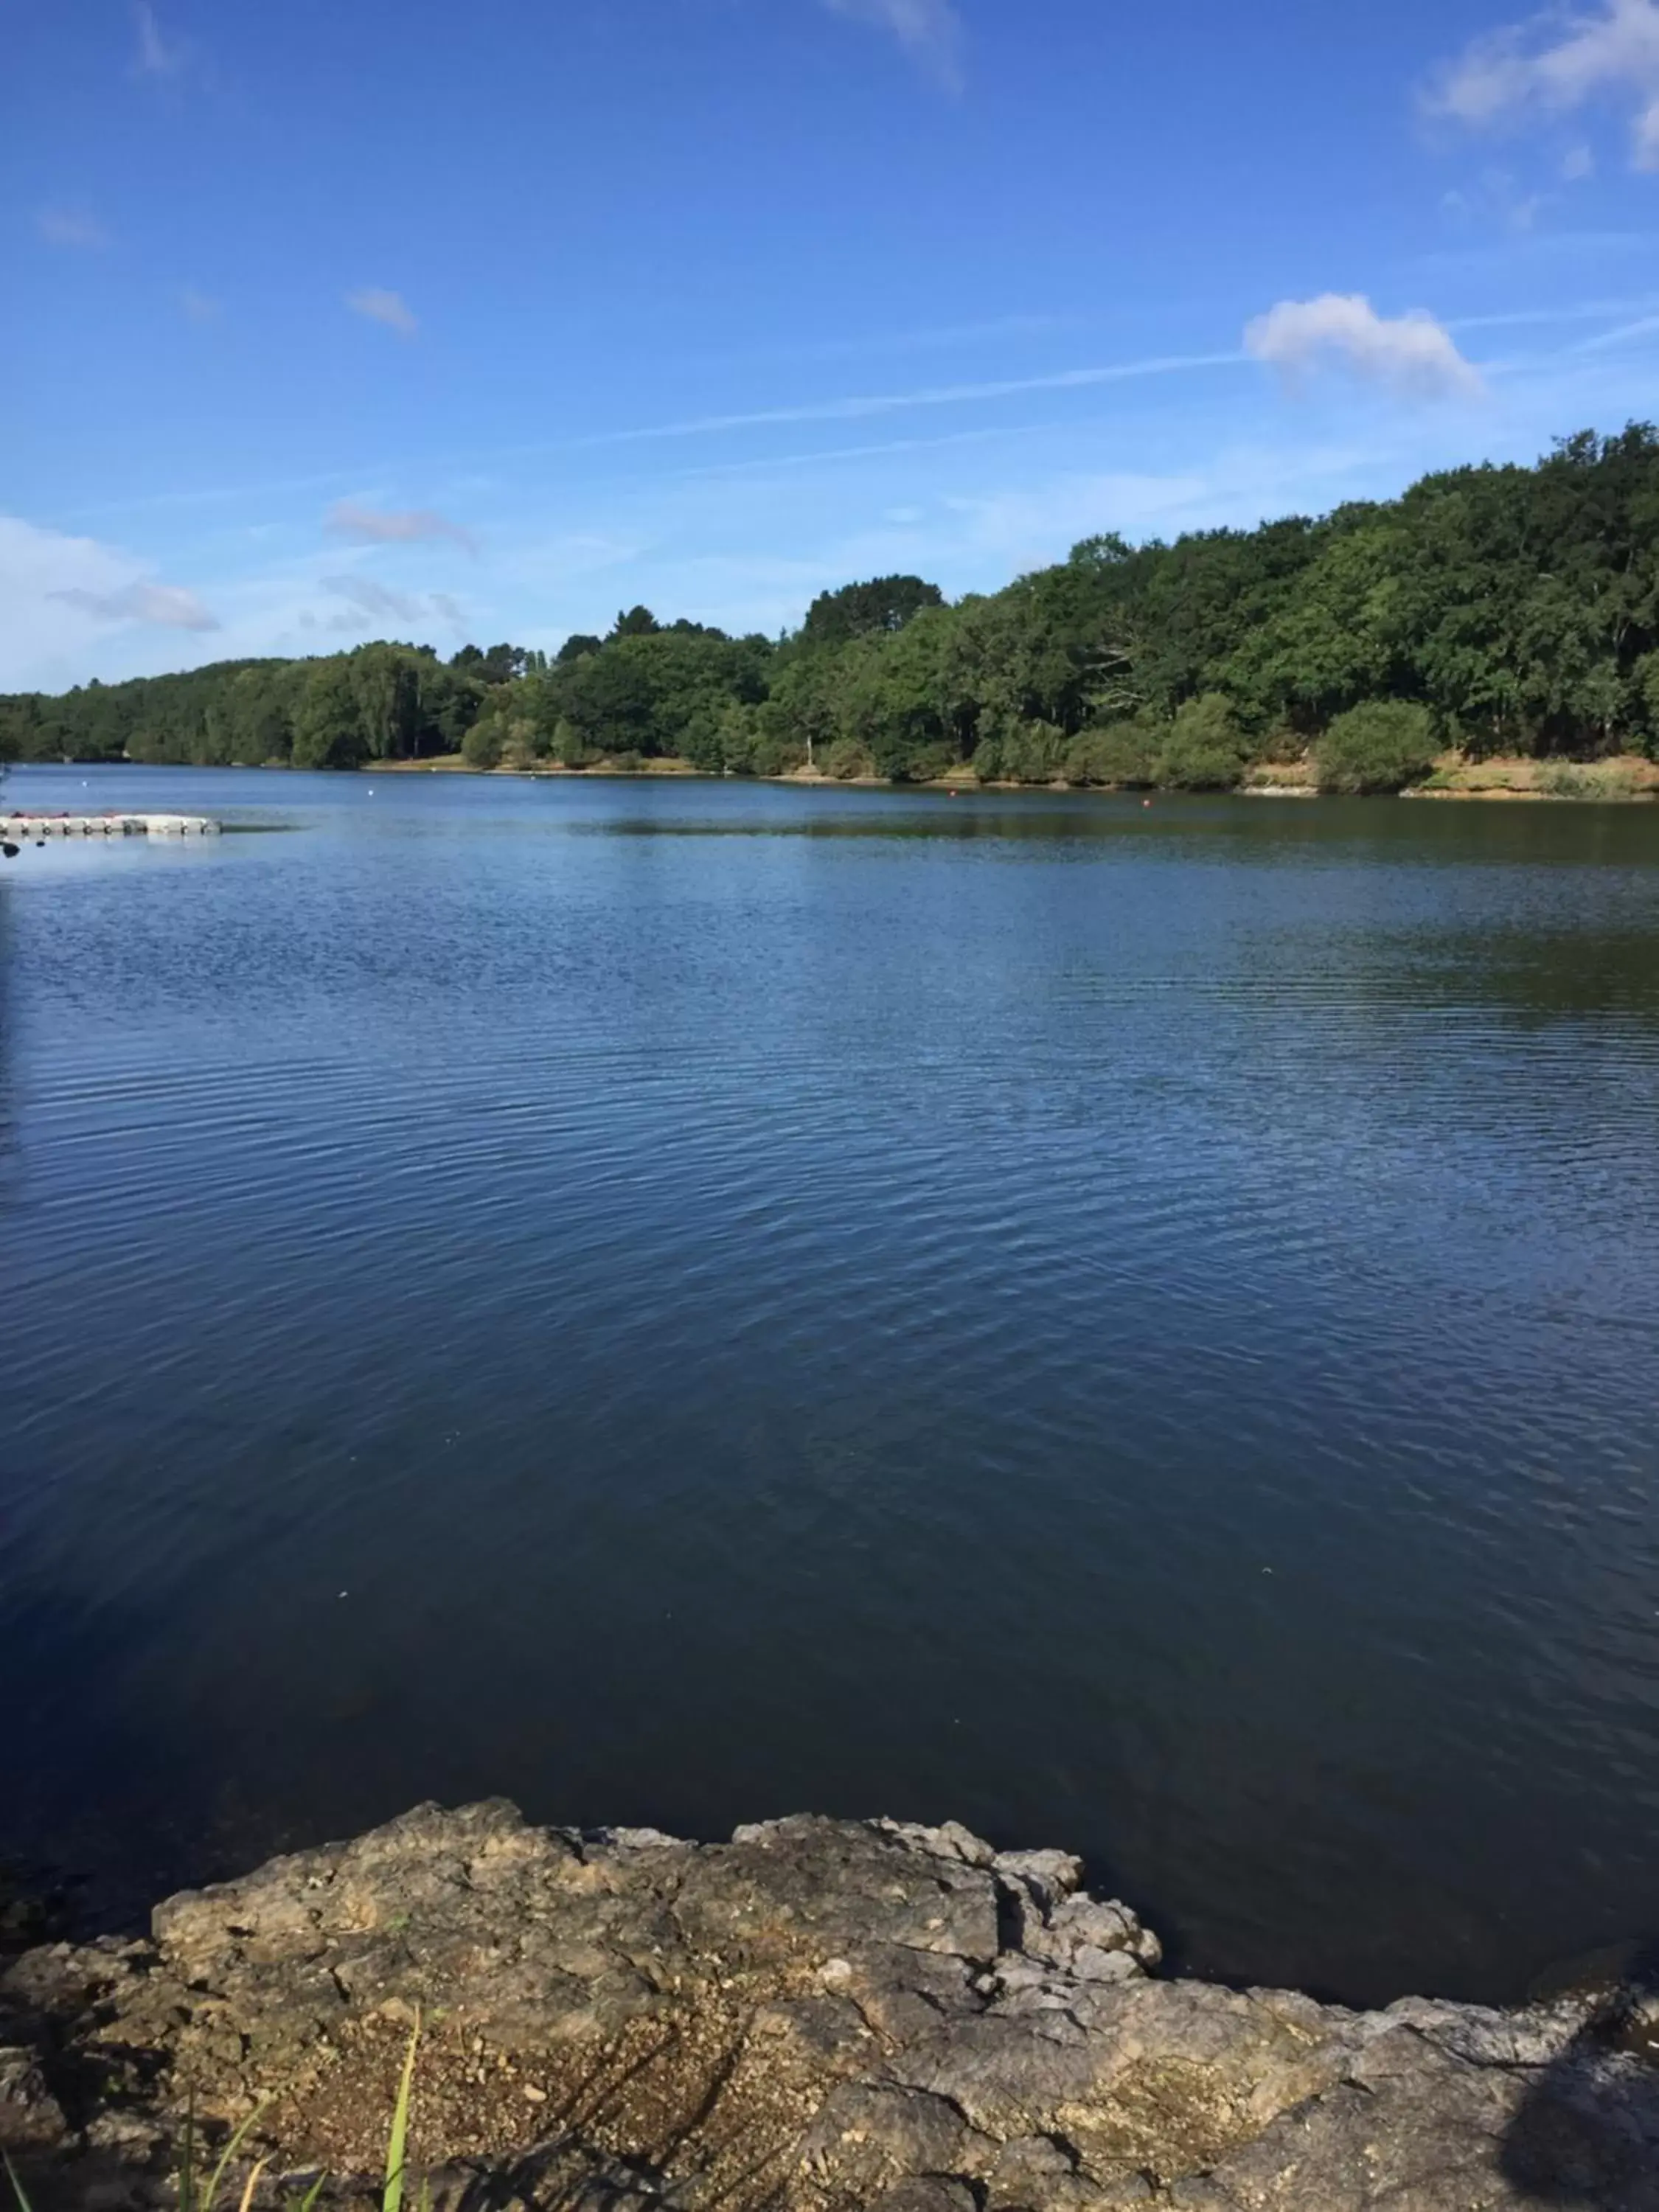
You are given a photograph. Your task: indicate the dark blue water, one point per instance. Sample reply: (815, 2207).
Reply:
(1135, 1329)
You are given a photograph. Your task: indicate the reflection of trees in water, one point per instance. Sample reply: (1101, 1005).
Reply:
(1546, 975)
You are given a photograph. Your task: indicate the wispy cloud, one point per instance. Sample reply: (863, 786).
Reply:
(1411, 355)
(167, 605)
(859, 406)
(994, 330)
(71, 226)
(1644, 326)
(197, 305)
(368, 603)
(1556, 63)
(930, 31)
(818, 456)
(158, 54)
(1577, 311)
(1495, 200)
(388, 307)
(370, 526)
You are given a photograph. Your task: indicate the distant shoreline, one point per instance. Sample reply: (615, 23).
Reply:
(1624, 780)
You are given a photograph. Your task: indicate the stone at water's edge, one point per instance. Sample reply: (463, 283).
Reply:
(820, 2015)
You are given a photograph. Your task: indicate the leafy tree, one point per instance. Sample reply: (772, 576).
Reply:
(1017, 750)
(328, 730)
(483, 745)
(883, 605)
(1204, 750)
(1118, 753)
(20, 722)
(253, 721)
(638, 622)
(847, 758)
(892, 695)
(775, 754)
(570, 748)
(1342, 635)
(502, 663)
(386, 682)
(1381, 744)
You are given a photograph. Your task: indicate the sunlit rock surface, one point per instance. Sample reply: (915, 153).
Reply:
(820, 2015)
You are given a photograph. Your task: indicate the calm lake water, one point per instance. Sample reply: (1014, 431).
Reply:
(1132, 1328)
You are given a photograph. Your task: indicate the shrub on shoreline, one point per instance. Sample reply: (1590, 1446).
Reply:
(1204, 750)
(1122, 753)
(1381, 745)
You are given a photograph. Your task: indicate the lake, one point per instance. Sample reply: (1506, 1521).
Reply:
(1131, 1328)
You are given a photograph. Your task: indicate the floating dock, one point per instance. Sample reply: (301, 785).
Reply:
(32, 829)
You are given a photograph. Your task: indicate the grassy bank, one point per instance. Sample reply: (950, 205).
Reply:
(1625, 777)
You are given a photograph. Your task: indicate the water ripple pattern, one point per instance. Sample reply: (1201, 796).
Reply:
(1133, 1327)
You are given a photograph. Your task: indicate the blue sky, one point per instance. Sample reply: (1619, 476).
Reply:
(332, 321)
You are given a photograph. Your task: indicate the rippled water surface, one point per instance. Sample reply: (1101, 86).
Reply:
(1135, 1329)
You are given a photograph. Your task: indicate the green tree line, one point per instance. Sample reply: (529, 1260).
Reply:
(1500, 609)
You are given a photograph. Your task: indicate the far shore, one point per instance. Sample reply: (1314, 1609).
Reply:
(1622, 780)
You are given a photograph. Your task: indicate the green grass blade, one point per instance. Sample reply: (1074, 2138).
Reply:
(17, 2191)
(218, 2173)
(393, 2197)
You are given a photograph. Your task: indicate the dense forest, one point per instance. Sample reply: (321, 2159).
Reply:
(1501, 610)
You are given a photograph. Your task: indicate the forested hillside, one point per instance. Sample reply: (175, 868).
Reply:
(1500, 609)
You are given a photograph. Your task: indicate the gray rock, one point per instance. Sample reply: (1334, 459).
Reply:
(30, 2115)
(818, 2016)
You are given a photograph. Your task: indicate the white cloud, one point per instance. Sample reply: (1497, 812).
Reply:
(369, 526)
(930, 31)
(167, 605)
(1556, 63)
(63, 598)
(388, 308)
(63, 226)
(1410, 355)
(158, 54)
(72, 608)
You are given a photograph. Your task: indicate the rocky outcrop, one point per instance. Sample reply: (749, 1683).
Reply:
(820, 2014)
